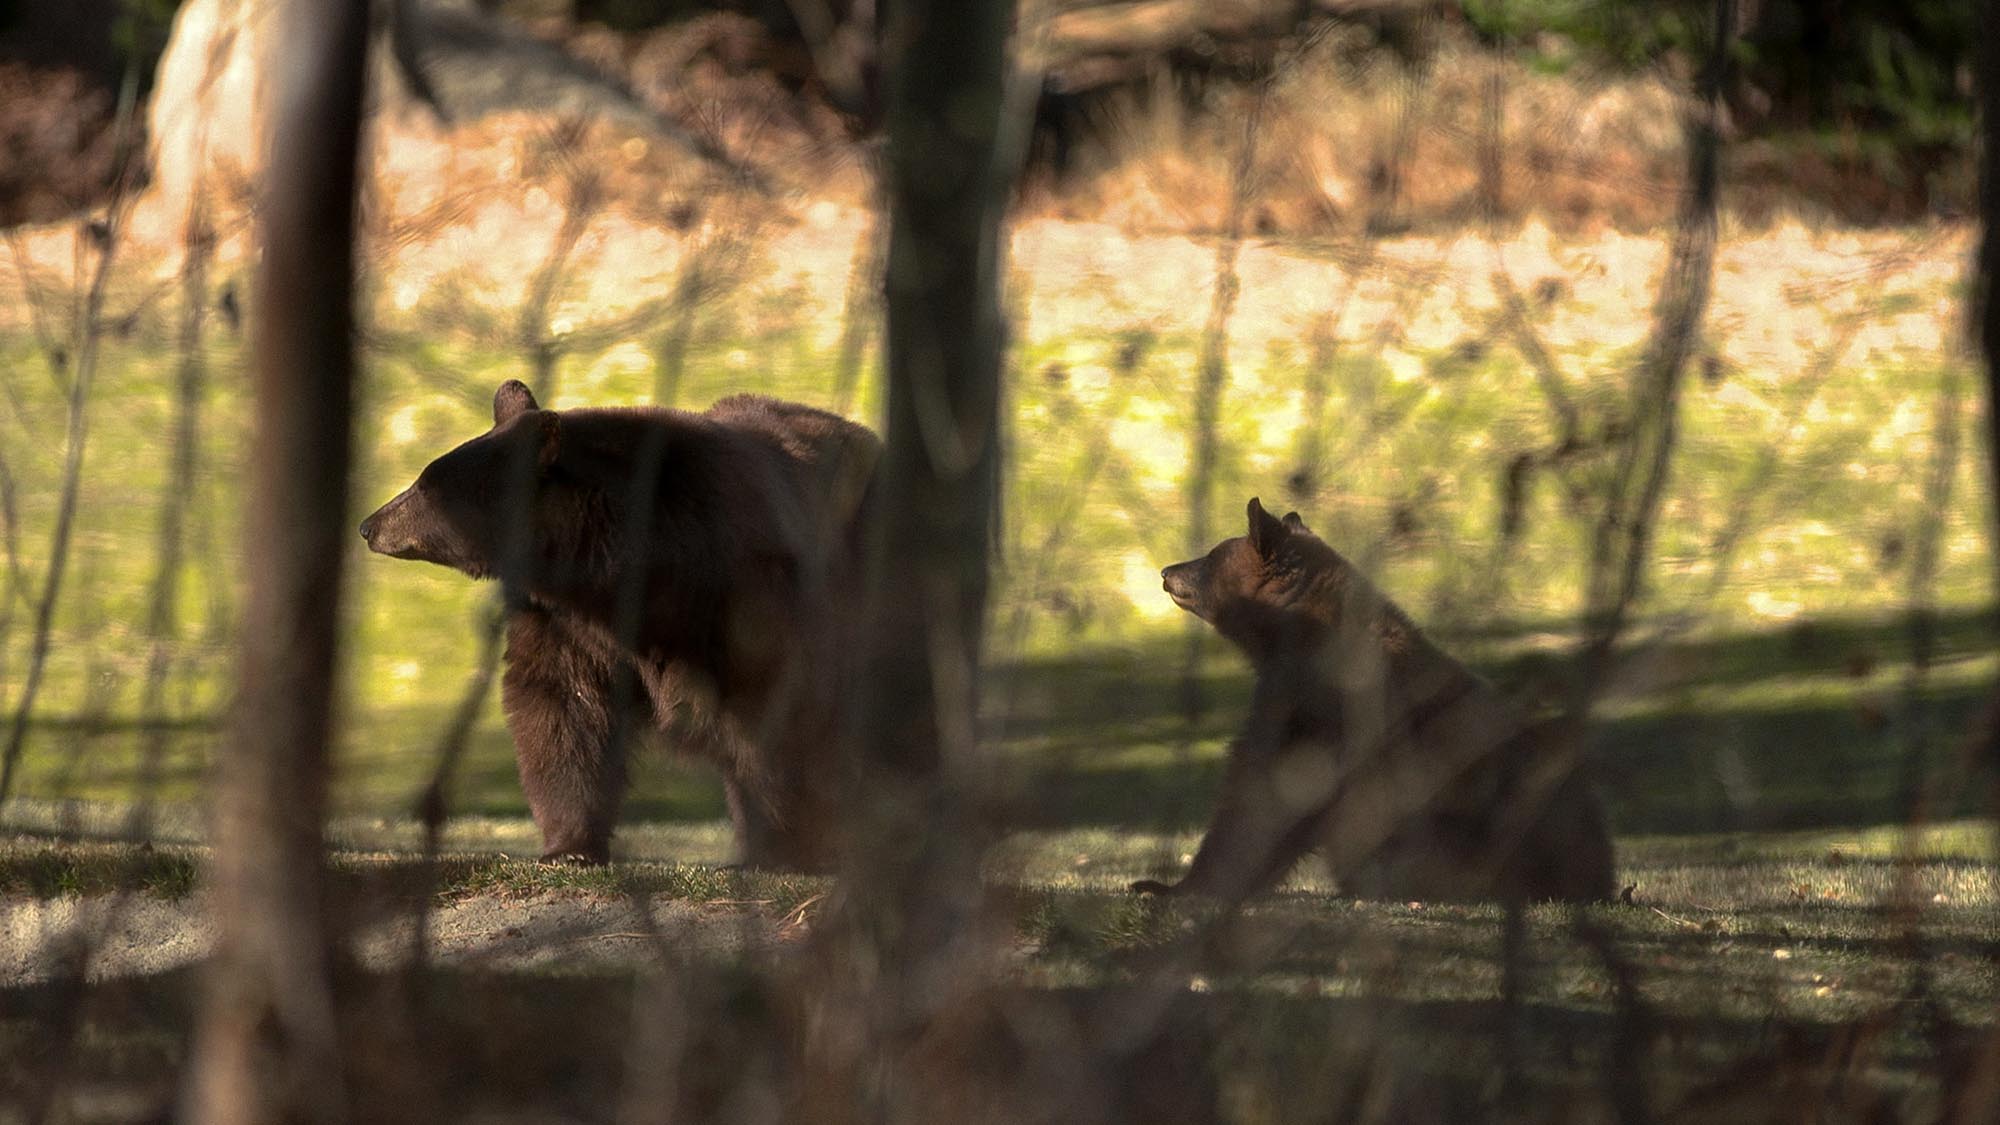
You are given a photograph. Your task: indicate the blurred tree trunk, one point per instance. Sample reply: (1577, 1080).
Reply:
(267, 1045)
(1986, 310)
(913, 873)
(1986, 321)
(1981, 1089)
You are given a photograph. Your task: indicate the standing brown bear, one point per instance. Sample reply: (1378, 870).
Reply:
(1366, 741)
(691, 573)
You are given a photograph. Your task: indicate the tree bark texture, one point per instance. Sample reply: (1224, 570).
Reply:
(940, 467)
(267, 1046)
(913, 869)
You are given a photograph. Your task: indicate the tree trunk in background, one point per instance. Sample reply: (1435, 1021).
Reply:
(940, 470)
(1986, 309)
(1981, 1096)
(267, 1047)
(913, 872)
(1987, 327)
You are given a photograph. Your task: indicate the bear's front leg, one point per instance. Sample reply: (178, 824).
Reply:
(1257, 834)
(558, 695)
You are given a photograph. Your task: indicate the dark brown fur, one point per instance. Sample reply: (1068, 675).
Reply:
(1366, 741)
(692, 574)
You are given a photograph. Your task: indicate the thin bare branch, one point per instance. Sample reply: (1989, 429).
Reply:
(1920, 623)
(860, 311)
(176, 494)
(104, 235)
(1211, 384)
(1622, 541)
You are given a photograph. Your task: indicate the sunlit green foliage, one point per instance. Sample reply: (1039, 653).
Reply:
(1777, 695)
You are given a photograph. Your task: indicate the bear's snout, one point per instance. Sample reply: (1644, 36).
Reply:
(388, 530)
(1180, 583)
(372, 528)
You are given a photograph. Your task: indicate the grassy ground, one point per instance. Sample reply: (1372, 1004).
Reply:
(1765, 732)
(1767, 737)
(1857, 970)
(1384, 399)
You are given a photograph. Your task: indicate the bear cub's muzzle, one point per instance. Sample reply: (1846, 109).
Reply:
(1182, 582)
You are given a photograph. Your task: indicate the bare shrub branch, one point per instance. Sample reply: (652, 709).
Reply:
(1622, 541)
(85, 335)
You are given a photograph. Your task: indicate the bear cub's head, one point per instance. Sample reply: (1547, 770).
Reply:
(1262, 588)
(470, 509)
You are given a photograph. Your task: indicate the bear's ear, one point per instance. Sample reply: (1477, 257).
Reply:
(548, 438)
(1266, 530)
(512, 400)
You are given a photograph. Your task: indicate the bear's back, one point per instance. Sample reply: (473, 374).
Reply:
(1373, 681)
(832, 459)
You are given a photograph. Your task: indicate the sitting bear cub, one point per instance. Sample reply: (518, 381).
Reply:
(692, 573)
(1365, 741)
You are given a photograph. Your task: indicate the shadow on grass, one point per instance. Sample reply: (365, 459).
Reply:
(1826, 766)
(1810, 736)
(1102, 743)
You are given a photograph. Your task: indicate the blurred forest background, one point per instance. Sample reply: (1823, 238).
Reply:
(1404, 266)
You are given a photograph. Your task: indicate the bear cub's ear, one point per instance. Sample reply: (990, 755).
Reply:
(1266, 530)
(512, 400)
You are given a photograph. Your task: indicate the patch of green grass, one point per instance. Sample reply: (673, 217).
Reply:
(1407, 476)
(1963, 840)
(31, 868)
(1753, 767)
(1749, 764)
